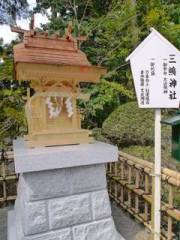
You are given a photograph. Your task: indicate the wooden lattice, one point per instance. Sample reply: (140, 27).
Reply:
(130, 184)
(8, 178)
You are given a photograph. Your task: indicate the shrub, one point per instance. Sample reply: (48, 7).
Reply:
(130, 125)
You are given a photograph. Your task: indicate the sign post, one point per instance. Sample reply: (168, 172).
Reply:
(157, 177)
(155, 66)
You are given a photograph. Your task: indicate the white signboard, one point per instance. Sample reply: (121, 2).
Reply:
(155, 66)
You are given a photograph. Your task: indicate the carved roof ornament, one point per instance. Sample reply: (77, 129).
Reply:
(68, 31)
(32, 31)
(31, 25)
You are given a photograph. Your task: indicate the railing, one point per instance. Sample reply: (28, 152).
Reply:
(130, 184)
(8, 178)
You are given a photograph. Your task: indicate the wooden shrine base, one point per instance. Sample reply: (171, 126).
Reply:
(46, 139)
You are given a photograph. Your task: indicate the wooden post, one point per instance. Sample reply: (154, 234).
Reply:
(157, 178)
(169, 237)
(116, 184)
(4, 182)
(146, 192)
(137, 187)
(122, 188)
(110, 168)
(110, 179)
(122, 170)
(129, 182)
(171, 196)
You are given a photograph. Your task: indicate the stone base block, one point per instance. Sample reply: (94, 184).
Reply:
(62, 182)
(64, 204)
(46, 158)
(68, 203)
(103, 229)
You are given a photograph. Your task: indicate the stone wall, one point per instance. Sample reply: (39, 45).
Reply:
(64, 204)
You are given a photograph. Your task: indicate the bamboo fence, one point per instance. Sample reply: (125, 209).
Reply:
(130, 184)
(8, 178)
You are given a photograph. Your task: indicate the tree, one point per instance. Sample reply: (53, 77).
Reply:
(11, 9)
(161, 14)
(63, 11)
(110, 40)
(77, 11)
(114, 29)
(12, 117)
(1, 47)
(105, 97)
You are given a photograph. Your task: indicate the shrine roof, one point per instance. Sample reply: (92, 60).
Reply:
(48, 50)
(41, 57)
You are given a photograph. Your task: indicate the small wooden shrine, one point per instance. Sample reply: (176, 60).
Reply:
(55, 67)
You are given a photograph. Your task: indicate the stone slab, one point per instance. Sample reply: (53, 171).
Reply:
(68, 211)
(100, 205)
(11, 234)
(34, 217)
(99, 230)
(64, 234)
(46, 158)
(88, 178)
(33, 185)
(45, 184)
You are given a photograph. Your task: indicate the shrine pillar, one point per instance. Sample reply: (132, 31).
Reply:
(62, 193)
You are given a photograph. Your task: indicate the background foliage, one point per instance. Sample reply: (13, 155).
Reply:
(12, 118)
(132, 129)
(138, 123)
(10, 10)
(114, 29)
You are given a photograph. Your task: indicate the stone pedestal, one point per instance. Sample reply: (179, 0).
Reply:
(62, 193)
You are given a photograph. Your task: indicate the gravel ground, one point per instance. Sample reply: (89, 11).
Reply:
(3, 224)
(128, 227)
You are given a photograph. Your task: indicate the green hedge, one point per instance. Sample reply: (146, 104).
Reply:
(130, 125)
